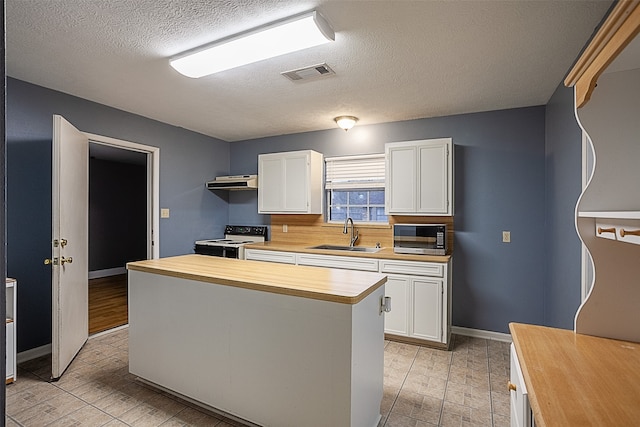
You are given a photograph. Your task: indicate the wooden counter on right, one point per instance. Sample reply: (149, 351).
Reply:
(578, 380)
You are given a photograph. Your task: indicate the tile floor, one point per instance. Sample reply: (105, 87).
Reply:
(422, 387)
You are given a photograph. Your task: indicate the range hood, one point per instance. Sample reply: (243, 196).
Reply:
(234, 182)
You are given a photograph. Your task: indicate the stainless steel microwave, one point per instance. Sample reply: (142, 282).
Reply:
(421, 239)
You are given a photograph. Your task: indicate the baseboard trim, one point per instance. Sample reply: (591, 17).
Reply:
(479, 333)
(33, 353)
(108, 331)
(97, 274)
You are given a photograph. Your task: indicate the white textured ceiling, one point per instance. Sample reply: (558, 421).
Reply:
(394, 60)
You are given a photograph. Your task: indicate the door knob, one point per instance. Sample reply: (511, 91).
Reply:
(61, 242)
(50, 261)
(63, 260)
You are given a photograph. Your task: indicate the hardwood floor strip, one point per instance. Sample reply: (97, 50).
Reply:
(108, 303)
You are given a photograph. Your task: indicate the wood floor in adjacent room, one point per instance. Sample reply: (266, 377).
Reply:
(107, 303)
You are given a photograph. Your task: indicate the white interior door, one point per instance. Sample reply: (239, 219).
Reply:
(70, 195)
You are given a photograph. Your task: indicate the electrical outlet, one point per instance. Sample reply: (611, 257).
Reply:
(164, 213)
(285, 228)
(506, 237)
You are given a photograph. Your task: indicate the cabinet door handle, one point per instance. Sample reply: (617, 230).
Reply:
(511, 386)
(624, 232)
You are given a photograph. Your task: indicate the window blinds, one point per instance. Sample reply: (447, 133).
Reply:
(354, 172)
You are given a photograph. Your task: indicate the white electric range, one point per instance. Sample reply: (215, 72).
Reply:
(232, 246)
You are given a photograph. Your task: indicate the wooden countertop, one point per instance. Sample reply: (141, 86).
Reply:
(327, 284)
(578, 380)
(384, 253)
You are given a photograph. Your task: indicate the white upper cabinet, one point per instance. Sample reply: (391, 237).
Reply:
(419, 177)
(290, 182)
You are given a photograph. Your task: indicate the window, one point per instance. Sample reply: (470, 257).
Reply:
(355, 188)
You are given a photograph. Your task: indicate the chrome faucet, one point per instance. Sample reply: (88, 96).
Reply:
(354, 232)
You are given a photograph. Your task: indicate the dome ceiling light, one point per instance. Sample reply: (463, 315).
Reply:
(346, 122)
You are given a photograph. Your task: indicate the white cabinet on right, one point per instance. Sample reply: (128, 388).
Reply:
(420, 301)
(419, 177)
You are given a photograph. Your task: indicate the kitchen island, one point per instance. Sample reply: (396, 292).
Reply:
(271, 344)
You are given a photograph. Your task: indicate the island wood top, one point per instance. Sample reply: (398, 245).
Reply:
(578, 380)
(383, 253)
(327, 284)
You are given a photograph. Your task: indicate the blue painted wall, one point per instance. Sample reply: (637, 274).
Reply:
(515, 170)
(562, 186)
(187, 160)
(499, 185)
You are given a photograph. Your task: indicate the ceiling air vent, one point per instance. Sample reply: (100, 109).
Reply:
(307, 73)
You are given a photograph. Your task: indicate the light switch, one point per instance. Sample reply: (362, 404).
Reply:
(164, 213)
(285, 228)
(506, 237)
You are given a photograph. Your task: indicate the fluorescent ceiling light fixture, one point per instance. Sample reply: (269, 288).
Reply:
(296, 33)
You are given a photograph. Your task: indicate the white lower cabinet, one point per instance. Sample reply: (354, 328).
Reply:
(427, 309)
(396, 321)
(520, 409)
(420, 291)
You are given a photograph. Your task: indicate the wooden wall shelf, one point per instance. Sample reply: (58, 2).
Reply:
(610, 214)
(618, 30)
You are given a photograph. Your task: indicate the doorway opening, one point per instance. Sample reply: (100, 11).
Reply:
(123, 216)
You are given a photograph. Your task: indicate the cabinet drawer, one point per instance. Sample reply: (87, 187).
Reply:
(414, 268)
(330, 261)
(270, 256)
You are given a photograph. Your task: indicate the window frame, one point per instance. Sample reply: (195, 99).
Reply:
(357, 173)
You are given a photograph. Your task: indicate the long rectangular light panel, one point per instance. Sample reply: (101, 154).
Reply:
(296, 33)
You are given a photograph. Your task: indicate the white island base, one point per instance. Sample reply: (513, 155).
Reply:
(267, 358)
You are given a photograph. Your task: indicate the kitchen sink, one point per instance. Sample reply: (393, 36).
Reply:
(346, 248)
